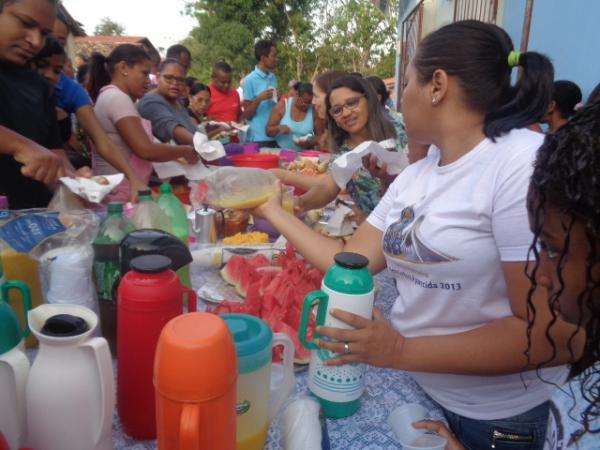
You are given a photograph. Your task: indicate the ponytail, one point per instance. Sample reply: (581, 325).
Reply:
(102, 67)
(99, 74)
(527, 101)
(479, 58)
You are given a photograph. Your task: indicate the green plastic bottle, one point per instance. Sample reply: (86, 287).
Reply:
(175, 211)
(106, 268)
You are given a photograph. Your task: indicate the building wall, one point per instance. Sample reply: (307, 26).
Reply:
(566, 31)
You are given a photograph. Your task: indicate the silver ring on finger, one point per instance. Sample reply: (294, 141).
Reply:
(346, 348)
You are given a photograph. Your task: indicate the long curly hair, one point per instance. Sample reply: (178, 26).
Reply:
(566, 178)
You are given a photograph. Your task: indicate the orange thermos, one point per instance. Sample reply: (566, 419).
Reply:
(195, 375)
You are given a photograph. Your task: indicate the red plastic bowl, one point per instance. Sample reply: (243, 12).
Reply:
(259, 161)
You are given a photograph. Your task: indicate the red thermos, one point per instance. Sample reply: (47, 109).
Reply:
(149, 295)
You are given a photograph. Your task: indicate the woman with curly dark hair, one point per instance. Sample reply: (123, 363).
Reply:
(564, 210)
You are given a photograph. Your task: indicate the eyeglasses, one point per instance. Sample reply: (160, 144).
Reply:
(173, 79)
(352, 104)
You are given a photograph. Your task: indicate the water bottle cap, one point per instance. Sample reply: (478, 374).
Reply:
(115, 207)
(150, 263)
(351, 260)
(165, 188)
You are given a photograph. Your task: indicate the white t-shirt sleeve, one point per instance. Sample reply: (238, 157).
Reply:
(510, 223)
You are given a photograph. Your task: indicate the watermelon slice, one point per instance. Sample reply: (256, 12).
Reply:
(301, 354)
(245, 279)
(259, 260)
(231, 272)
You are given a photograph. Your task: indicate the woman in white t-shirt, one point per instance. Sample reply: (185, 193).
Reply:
(116, 83)
(564, 213)
(453, 230)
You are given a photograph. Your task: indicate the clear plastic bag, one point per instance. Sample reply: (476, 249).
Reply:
(302, 425)
(240, 188)
(64, 200)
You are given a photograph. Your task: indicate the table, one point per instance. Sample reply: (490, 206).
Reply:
(386, 389)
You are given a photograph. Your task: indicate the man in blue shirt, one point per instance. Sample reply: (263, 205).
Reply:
(260, 91)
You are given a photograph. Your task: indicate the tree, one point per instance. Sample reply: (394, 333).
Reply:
(227, 31)
(358, 37)
(311, 35)
(108, 27)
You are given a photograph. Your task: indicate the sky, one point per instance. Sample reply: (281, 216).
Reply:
(163, 25)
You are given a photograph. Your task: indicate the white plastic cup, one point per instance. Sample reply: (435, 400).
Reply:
(427, 442)
(401, 420)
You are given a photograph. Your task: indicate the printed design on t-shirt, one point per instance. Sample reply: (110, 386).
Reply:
(403, 240)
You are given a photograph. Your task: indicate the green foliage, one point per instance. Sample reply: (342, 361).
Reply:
(108, 27)
(311, 35)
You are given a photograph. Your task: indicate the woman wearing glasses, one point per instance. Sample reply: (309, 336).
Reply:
(170, 120)
(354, 115)
(116, 82)
(453, 230)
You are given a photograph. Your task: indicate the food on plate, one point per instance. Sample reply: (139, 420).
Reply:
(308, 167)
(101, 180)
(273, 292)
(253, 237)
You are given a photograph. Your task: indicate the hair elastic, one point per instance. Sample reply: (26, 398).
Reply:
(513, 58)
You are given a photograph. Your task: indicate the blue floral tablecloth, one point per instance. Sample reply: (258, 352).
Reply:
(366, 430)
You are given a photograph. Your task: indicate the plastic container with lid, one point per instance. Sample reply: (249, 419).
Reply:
(261, 387)
(195, 372)
(149, 295)
(348, 286)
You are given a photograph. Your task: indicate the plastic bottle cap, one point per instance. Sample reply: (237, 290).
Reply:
(165, 188)
(351, 260)
(150, 263)
(144, 193)
(115, 207)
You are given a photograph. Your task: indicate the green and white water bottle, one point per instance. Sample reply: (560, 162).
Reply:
(348, 286)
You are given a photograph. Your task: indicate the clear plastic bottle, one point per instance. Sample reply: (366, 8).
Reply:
(106, 268)
(148, 215)
(175, 211)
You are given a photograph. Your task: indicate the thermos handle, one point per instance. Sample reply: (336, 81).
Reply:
(189, 433)
(277, 395)
(99, 347)
(192, 300)
(321, 299)
(25, 298)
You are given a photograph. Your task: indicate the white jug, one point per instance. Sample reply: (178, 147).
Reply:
(70, 391)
